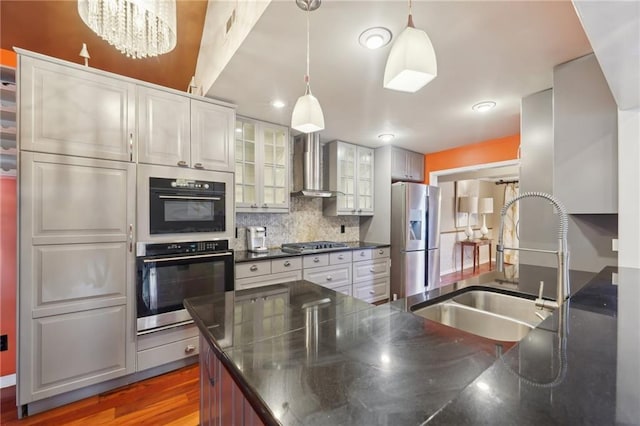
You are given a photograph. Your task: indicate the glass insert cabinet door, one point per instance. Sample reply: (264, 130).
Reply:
(246, 185)
(347, 177)
(275, 168)
(262, 167)
(365, 180)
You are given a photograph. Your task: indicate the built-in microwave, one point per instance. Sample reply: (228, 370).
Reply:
(176, 204)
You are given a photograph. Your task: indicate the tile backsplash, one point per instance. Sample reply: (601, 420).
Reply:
(304, 222)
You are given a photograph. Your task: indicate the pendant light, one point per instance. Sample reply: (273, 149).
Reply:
(307, 114)
(412, 61)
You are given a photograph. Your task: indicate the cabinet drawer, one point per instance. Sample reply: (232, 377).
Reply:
(370, 270)
(262, 280)
(329, 276)
(167, 353)
(344, 289)
(287, 264)
(372, 291)
(363, 254)
(340, 257)
(164, 337)
(314, 260)
(381, 252)
(252, 269)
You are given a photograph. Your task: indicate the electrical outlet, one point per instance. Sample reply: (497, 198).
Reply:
(4, 342)
(342, 229)
(614, 244)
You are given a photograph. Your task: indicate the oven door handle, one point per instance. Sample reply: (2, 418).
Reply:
(197, 256)
(181, 197)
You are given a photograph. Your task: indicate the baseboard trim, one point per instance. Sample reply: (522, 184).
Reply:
(8, 380)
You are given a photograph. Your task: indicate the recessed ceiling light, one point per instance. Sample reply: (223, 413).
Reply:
(386, 137)
(375, 38)
(278, 104)
(484, 106)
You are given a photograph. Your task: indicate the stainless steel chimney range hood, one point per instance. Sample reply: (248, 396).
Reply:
(307, 171)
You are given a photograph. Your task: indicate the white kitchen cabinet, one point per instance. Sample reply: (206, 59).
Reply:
(8, 129)
(332, 276)
(175, 130)
(164, 127)
(71, 110)
(348, 169)
(211, 136)
(76, 280)
(262, 167)
(407, 165)
(267, 272)
(371, 274)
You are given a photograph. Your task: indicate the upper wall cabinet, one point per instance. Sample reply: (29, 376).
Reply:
(585, 147)
(65, 110)
(175, 130)
(348, 169)
(262, 167)
(407, 165)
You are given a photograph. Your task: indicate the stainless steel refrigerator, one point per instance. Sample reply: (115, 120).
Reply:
(415, 238)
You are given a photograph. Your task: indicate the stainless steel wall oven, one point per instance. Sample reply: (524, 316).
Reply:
(177, 204)
(168, 273)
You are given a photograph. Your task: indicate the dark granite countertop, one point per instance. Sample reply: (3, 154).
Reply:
(274, 253)
(347, 362)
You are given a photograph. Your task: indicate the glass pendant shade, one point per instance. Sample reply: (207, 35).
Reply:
(411, 63)
(307, 116)
(137, 28)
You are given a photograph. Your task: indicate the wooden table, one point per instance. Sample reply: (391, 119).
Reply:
(476, 244)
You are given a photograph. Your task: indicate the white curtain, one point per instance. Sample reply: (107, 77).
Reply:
(511, 224)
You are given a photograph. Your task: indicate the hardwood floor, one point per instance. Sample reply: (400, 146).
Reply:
(465, 273)
(171, 399)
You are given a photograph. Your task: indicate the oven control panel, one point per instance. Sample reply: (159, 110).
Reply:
(181, 247)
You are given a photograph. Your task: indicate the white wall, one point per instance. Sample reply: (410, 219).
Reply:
(629, 188)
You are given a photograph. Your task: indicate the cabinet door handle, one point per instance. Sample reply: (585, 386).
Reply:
(254, 206)
(316, 259)
(265, 205)
(198, 166)
(372, 292)
(189, 349)
(130, 238)
(340, 257)
(361, 254)
(287, 263)
(329, 277)
(380, 251)
(182, 163)
(130, 146)
(373, 271)
(359, 210)
(253, 268)
(212, 381)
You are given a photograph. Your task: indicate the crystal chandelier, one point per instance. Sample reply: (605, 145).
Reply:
(137, 28)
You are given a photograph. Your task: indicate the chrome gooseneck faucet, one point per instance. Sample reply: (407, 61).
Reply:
(563, 289)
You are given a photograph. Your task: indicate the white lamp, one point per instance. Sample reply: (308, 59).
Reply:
(307, 116)
(412, 61)
(485, 206)
(468, 205)
(137, 28)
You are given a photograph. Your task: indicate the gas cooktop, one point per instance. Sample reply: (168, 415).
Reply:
(312, 246)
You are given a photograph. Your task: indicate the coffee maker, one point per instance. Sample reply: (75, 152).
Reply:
(256, 239)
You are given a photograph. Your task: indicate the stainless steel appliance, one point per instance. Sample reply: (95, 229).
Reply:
(257, 239)
(168, 273)
(177, 204)
(307, 173)
(312, 247)
(415, 238)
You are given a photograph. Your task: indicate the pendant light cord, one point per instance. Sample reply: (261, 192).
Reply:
(306, 77)
(410, 22)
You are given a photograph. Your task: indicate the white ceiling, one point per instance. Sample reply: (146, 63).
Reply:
(497, 51)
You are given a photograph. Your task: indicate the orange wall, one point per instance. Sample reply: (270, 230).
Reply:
(8, 257)
(490, 151)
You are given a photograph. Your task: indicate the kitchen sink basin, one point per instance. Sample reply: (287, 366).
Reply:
(487, 314)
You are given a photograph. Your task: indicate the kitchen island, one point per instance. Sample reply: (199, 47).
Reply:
(302, 354)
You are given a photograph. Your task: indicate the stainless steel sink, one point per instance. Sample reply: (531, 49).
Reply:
(487, 314)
